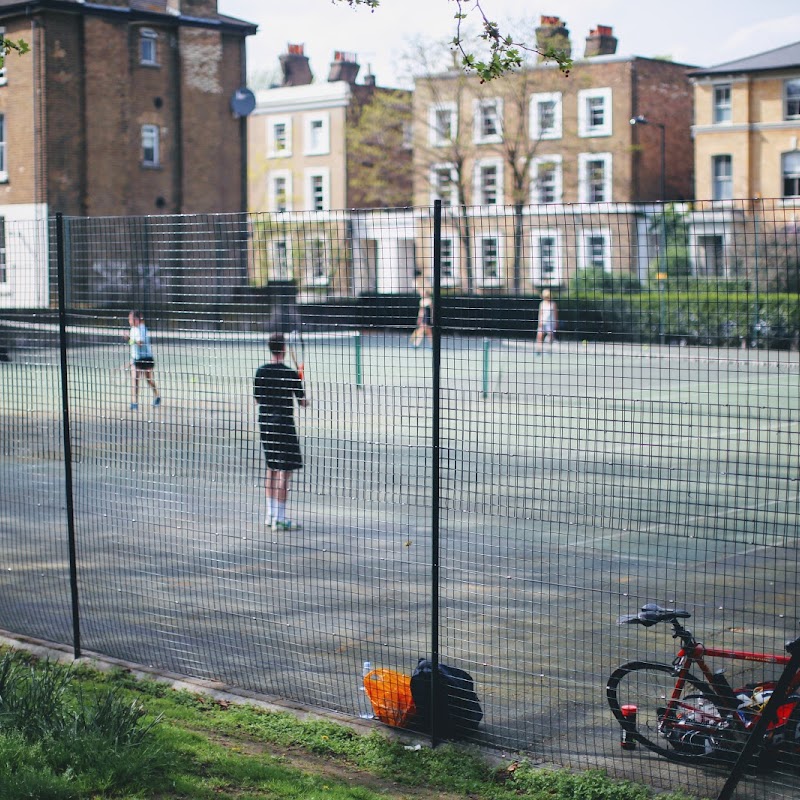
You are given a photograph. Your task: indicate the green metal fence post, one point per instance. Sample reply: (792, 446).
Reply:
(485, 367)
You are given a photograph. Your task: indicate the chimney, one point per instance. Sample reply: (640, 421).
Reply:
(600, 42)
(294, 65)
(344, 67)
(552, 32)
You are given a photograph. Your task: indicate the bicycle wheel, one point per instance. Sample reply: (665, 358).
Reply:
(690, 729)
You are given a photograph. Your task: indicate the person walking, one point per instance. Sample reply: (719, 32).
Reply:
(548, 321)
(424, 320)
(275, 389)
(142, 362)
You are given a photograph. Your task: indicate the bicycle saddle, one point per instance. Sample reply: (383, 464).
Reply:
(651, 614)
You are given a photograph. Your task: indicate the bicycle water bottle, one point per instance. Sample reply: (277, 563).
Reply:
(627, 742)
(364, 706)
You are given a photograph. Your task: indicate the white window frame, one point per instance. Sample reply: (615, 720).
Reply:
(149, 36)
(487, 109)
(449, 262)
(435, 139)
(273, 151)
(585, 260)
(273, 200)
(584, 183)
(323, 145)
(153, 133)
(324, 174)
(793, 174)
(717, 184)
(538, 99)
(795, 100)
(281, 260)
(480, 239)
(3, 150)
(537, 278)
(558, 183)
(310, 250)
(478, 188)
(721, 111)
(436, 194)
(585, 128)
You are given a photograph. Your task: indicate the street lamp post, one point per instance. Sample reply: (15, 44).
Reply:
(642, 120)
(661, 275)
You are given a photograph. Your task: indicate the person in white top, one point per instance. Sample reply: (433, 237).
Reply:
(548, 321)
(142, 363)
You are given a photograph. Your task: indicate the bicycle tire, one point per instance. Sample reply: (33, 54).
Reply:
(649, 686)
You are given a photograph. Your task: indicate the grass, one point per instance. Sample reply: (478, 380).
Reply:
(72, 733)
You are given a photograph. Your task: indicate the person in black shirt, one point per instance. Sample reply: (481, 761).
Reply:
(275, 389)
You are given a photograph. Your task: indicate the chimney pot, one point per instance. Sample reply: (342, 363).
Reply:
(552, 32)
(295, 67)
(344, 67)
(600, 42)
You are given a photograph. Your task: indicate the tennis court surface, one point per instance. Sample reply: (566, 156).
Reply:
(574, 485)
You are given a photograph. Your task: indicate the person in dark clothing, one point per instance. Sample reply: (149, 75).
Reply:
(275, 389)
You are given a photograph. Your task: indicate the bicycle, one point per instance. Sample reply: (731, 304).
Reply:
(683, 717)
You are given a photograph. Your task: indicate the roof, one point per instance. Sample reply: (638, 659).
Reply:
(149, 8)
(786, 57)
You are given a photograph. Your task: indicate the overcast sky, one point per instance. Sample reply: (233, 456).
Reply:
(698, 32)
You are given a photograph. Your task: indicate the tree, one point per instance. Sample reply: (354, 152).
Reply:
(502, 52)
(8, 45)
(379, 150)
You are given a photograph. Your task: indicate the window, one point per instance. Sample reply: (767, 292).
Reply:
(546, 179)
(445, 187)
(3, 263)
(722, 103)
(317, 138)
(721, 178)
(3, 163)
(150, 154)
(318, 190)
(449, 268)
(487, 121)
(148, 49)
(317, 262)
(488, 182)
(545, 258)
(594, 177)
(443, 124)
(792, 98)
(281, 263)
(279, 137)
(489, 266)
(791, 174)
(594, 112)
(280, 190)
(596, 250)
(545, 116)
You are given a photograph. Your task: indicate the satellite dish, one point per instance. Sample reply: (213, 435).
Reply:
(243, 101)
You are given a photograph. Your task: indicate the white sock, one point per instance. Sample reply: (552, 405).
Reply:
(271, 508)
(280, 511)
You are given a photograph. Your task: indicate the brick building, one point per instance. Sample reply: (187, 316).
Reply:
(119, 108)
(539, 141)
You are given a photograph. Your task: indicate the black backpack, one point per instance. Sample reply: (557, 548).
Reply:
(458, 710)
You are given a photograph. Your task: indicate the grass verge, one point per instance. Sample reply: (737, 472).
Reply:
(72, 733)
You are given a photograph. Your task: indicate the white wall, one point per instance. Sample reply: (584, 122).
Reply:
(27, 257)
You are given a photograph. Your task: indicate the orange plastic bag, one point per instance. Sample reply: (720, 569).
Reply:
(390, 695)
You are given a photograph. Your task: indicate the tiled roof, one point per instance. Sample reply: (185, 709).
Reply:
(785, 57)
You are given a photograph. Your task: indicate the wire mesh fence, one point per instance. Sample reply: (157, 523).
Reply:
(521, 426)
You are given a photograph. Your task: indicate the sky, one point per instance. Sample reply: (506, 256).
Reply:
(697, 32)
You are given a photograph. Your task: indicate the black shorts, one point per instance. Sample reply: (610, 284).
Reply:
(281, 444)
(144, 363)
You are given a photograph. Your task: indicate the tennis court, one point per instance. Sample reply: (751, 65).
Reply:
(575, 485)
